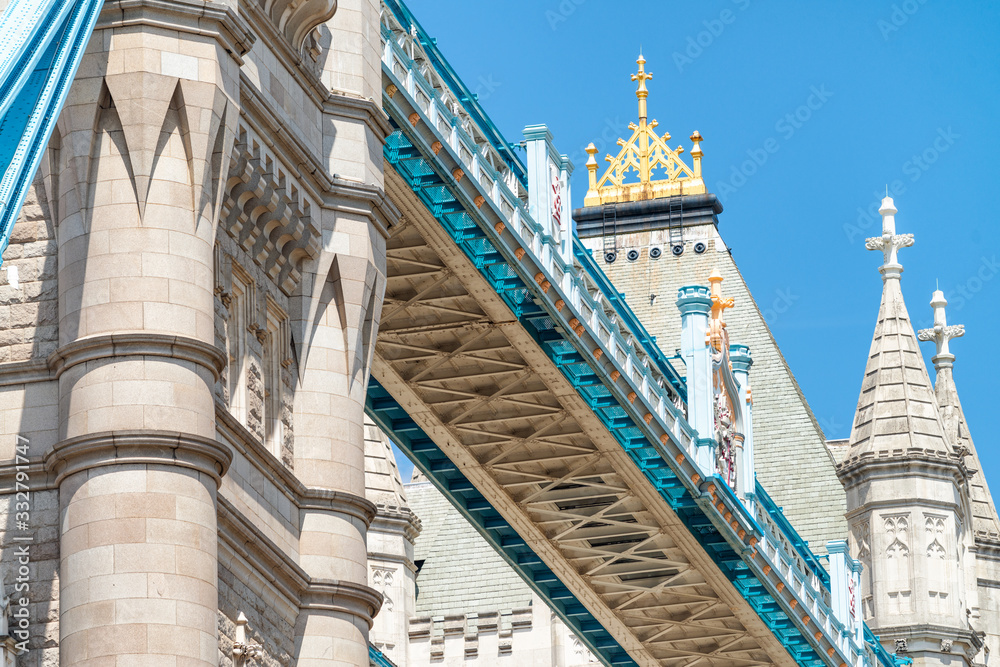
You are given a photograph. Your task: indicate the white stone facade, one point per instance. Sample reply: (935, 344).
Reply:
(184, 359)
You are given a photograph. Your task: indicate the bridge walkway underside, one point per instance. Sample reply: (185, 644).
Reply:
(479, 383)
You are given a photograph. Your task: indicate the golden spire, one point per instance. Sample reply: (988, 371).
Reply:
(642, 92)
(643, 153)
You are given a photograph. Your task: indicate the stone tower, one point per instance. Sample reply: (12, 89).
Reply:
(203, 255)
(906, 483)
(391, 537)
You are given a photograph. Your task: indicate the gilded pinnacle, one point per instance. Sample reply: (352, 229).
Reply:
(651, 168)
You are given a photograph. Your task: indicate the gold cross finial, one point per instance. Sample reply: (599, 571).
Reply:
(652, 168)
(642, 92)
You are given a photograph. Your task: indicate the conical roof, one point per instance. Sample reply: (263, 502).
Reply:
(897, 414)
(897, 410)
(985, 523)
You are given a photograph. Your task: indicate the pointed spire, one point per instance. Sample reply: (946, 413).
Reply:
(890, 242)
(941, 333)
(985, 522)
(897, 411)
(642, 92)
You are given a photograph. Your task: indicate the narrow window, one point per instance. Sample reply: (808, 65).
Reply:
(239, 318)
(276, 358)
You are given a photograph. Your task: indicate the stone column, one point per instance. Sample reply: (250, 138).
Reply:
(336, 317)
(141, 145)
(695, 304)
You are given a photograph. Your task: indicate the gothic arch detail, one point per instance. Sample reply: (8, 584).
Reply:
(897, 562)
(382, 578)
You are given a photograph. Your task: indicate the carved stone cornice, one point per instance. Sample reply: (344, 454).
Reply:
(923, 638)
(398, 520)
(920, 462)
(356, 108)
(208, 19)
(339, 502)
(333, 102)
(140, 343)
(41, 479)
(245, 539)
(279, 475)
(344, 597)
(266, 215)
(333, 192)
(140, 446)
(23, 372)
(240, 535)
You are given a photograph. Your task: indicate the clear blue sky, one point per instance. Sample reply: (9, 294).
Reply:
(903, 93)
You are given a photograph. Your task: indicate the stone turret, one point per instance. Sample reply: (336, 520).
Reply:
(392, 571)
(982, 542)
(905, 481)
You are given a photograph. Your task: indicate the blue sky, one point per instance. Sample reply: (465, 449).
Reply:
(829, 103)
